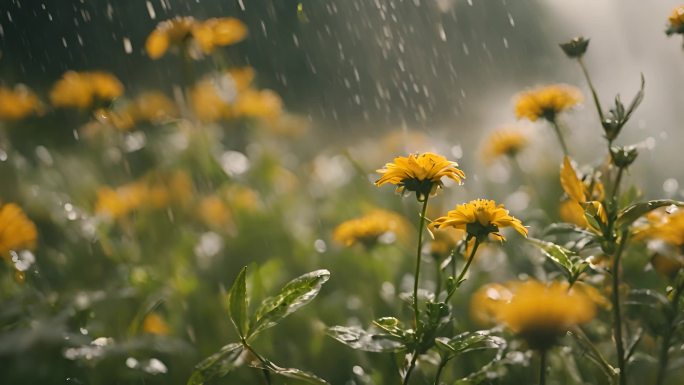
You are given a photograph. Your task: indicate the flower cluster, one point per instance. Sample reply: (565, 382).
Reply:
(84, 89)
(18, 103)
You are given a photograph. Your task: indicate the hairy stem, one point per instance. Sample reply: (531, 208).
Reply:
(591, 87)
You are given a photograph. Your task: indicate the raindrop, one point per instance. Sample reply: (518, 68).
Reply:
(3, 156)
(128, 47)
(150, 10)
(670, 186)
(234, 163)
(320, 246)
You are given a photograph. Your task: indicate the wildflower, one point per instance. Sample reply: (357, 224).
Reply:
(370, 228)
(205, 35)
(667, 265)
(676, 21)
(83, 89)
(541, 313)
(117, 203)
(504, 142)
(154, 324)
(480, 218)
(149, 107)
(18, 103)
(420, 173)
(445, 240)
(546, 102)
(207, 102)
(264, 104)
(214, 212)
(487, 300)
(17, 231)
(583, 197)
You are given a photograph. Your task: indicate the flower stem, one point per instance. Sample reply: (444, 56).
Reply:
(410, 368)
(557, 128)
(465, 268)
(542, 367)
(264, 371)
(440, 368)
(591, 87)
(616, 188)
(617, 315)
(421, 224)
(667, 338)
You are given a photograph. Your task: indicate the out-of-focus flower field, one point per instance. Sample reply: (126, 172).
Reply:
(211, 235)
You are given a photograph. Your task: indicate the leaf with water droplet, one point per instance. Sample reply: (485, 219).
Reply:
(293, 296)
(359, 339)
(217, 365)
(238, 303)
(292, 373)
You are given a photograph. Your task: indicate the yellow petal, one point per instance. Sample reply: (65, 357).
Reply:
(572, 185)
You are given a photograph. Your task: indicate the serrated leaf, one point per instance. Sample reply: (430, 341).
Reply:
(635, 211)
(238, 303)
(359, 339)
(295, 374)
(637, 99)
(293, 296)
(470, 341)
(558, 254)
(217, 365)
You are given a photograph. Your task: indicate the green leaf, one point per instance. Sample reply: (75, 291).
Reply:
(238, 303)
(633, 212)
(217, 365)
(470, 341)
(359, 339)
(565, 228)
(292, 373)
(558, 254)
(294, 295)
(391, 325)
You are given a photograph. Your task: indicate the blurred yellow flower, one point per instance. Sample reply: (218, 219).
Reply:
(667, 265)
(367, 229)
(487, 300)
(676, 20)
(150, 107)
(420, 173)
(541, 313)
(117, 203)
(264, 104)
(667, 227)
(444, 242)
(480, 218)
(17, 231)
(18, 103)
(546, 102)
(208, 104)
(503, 142)
(83, 89)
(214, 212)
(154, 324)
(207, 34)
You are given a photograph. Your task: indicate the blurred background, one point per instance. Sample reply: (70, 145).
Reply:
(361, 81)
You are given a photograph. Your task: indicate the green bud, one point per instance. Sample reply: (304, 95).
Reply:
(623, 157)
(576, 47)
(611, 127)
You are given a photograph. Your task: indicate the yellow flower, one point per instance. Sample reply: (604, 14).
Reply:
(17, 231)
(18, 103)
(504, 142)
(676, 20)
(155, 324)
(667, 266)
(367, 229)
(480, 218)
(583, 197)
(667, 227)
(264, 104)
(207, 35)
(82, 89)
(214, 212)
(421, 173)
(541, 313)
(487, 300)
(208, 104)
(546, 102)
(117, 203)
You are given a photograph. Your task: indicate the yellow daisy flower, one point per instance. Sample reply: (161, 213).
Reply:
(421, 173)
(480, 218)
(83, 89)
(503, 142)
(17, 231)
(367, 229)
(541, 313)
(207, 34)
(546, 102)
(18, 103)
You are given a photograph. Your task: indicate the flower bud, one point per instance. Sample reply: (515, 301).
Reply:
(623, 157)
(576, 47)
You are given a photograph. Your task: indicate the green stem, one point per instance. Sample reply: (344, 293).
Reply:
(465, 268)
(264, 371)
(667, 338)
(438, 278)
(559, 134)
(440, 368)
(542, 367)
(618, 179)
(591, 87)
(421, 224)
(410, 368)
(617, 315)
